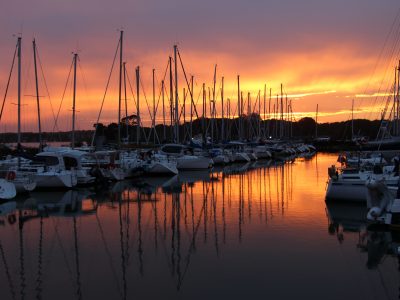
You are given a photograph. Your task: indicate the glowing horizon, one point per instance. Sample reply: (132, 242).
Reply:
(324, 63)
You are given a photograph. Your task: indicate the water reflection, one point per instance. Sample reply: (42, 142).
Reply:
(195, 235)
(380, 250)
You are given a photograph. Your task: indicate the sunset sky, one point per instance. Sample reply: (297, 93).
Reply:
(325, 52)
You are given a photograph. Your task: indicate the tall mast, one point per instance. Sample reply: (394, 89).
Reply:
(37, 97)
(239, 107)
(163, 109)
(394, 102)
(276, 115)
(291, 118)
(259, 113)
(203, 120)
(250, 126)
(281, 122)
(228, 108)
(137, 105)
(120, 87)
(154, 108)
(73, 103)
(184, 115)
(126, 106)
(213, 105)
(269, 111)
(397, 99)
(19, 94)
(352, 119)
(191, 107)
(265, 110)
(222, 112)
(316, 122)
(176, 96)
(286, 115)
(171, 96)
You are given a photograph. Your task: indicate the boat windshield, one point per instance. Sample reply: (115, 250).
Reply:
(47, 160)
(70, 163)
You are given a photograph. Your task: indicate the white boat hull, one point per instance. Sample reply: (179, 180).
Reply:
(346, 191)
(56, 180)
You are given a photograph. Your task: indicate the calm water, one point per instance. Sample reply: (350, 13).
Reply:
(261, 233)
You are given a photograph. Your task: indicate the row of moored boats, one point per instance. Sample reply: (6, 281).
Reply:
(65, 168)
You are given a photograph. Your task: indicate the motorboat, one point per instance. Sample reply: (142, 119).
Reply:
(73, 161)
(349, 184)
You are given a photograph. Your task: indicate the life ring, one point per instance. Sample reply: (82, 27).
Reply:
(11, 175)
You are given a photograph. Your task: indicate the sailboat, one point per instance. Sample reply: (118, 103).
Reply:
(10, 170)
(388, 137)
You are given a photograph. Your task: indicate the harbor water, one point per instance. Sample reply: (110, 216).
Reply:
(260, 230)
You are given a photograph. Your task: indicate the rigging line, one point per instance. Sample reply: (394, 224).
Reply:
(63, 95)
(47, 89)
(187, 82)
(8, 82)
(130, 87)
(182, 107)
(382, 50)
(83, 74)
(145, 98)
(389, 60)
(160, 93)
(27, 71)
(83, 78)
(105, 92)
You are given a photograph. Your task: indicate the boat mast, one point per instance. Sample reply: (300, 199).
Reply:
(184, 115)
(19, 94)
(176, 96)
(171, 100)
(154, 108)
(259, 113)
(163, 108)
(352, 119)
(120, 87)
(316, 123)
(281, 119)
(269, 111)
(203, 120)
(37, 97)
(398, 99)
(213, 105)
(137, 105)
(239, 107)
(222, 112)
(191, 107)
(265, 111)
(73, 103)
(126, 106)
(286, 132)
